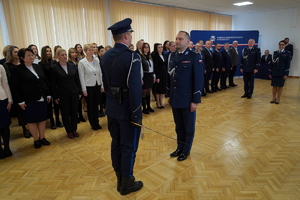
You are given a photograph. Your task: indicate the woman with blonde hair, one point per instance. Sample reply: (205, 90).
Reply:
(66, 91)
(4, 53)
(12, 61)
(90, 76)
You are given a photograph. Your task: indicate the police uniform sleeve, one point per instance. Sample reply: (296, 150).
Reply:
(198, 79)
(134, 84)
(242, 59)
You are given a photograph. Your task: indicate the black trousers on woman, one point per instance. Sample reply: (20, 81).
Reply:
(92, 101)
(69, 111)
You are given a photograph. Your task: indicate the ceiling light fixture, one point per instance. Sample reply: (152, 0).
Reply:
(245, 3)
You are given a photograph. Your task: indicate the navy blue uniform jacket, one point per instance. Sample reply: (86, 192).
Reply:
(250, 59)
(126, 73)
(186, 78)
(281, 63)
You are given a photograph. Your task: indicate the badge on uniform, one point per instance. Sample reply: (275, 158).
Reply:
(200, 61)
(186, 61)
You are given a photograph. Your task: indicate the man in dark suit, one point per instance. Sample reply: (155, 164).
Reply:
(234, 54)
(227, 65)
(267, 58)
(185, 68)
(249, 67)
(218, 65)
(209, 64)
(122, 69)
(289, 47)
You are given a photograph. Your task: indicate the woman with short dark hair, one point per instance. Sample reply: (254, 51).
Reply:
(30, 90)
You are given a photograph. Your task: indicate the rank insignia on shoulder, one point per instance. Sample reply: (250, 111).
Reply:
(186, 61)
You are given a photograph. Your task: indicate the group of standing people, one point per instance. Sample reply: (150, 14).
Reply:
(40, 84)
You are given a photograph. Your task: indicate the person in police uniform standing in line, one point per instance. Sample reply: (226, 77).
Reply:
(279, 71)
(209, 64)
(122, 69)
(249, 67)
(186, 82)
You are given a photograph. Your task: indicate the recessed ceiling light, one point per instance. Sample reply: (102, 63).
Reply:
(245, 3)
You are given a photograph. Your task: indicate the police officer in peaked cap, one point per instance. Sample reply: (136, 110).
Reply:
(123, 106)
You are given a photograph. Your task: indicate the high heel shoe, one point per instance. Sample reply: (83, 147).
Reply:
(273, 101)
(277, 102)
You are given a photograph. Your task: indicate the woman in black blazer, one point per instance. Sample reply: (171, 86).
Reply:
(46, 63)
(72, 58)
(160, 68)
(30, 91)
(65, 87)
(148, 77)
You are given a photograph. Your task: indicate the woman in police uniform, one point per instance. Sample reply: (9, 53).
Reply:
(279, 71)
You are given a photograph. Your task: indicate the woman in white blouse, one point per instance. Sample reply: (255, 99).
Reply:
(5, 105)
(90, 76)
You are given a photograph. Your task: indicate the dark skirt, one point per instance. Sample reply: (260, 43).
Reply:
(148, 80)
(35, 112)
(277, 81)
(160, 88)
(4, 114)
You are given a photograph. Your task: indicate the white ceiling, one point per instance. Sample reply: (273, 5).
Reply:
(225, 6)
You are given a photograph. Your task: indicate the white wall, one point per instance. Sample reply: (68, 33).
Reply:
(274, 26)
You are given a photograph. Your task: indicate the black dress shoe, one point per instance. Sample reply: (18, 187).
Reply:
(53, 126)
(37, 144)
(176, 153)
(26, 133)
(59, 124)
(82, 119)
(244, 96)
(273, 101)
(223, 87)
(183, 156)
(146, 111)
(277, 102)
(7, 153)
(45, 142)
(209, 91)
(204, 94)
(94, 128)
(249, 96)
(98, 126)
(227, 86)
(218, 89)
(150, 109)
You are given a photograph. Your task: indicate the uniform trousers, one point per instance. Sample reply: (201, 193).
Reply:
(125, 141)
(224, 77)
(206, 80)
(92, 101)
(185, 128)
(248, 83)
(69, 111)
(231, 75)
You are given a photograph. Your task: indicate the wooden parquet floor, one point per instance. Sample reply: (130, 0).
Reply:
(243, 150)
